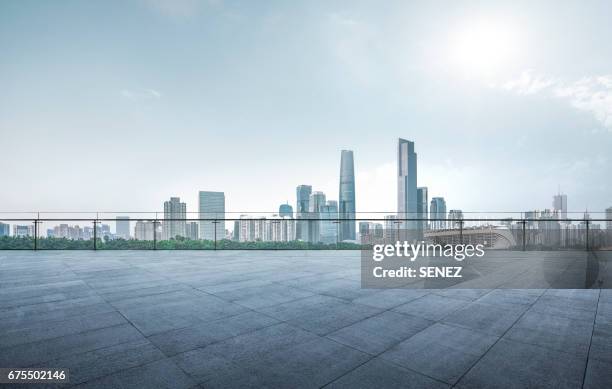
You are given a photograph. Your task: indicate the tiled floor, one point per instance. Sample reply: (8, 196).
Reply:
(287, 319)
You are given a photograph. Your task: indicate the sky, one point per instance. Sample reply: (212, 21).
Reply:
(119, 105)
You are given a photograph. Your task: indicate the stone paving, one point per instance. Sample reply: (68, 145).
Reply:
(287, 319)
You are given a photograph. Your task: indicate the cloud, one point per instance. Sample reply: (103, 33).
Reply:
(589, 94)
(141, 95)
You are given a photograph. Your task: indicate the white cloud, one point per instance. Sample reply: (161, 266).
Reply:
(140, 95)
(589, 94)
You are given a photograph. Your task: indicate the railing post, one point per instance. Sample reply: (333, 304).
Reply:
(155, 234)
(586, 221)
(215, 233)
(35, 234)
(524, 222)
(95, 237)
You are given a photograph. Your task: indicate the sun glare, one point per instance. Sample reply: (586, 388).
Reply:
(484, 48)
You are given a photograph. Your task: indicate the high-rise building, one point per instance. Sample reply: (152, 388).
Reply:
(301, 212)
(609, 218)
(391, 233)
(437, 213)
(329, 223)
(192, 231)
(346, 197)
(407, 201)
(454, 216)
(317, 200)
(212, 206)
(560, 205)
(122, 227)
(23, 231)
(422, 214)
(5, 229)
(285, 210)
(145, 230)
(175, 214)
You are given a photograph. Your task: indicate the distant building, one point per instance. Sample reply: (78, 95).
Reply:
(391, 230)
(407, 202)
(346, 196)
(316, 202)
(23, 231)
(301, 212)
(609, 218)
(5, 229)
(175, 214)
(144, 230)
(437, 210)
(123, 227)
(285, 210)
(560, 204)
(192, 230)
(329, 222)
(212, 206)
(422, 208)
(454, 216)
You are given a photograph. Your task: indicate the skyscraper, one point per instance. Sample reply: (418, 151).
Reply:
(346, 198)
(316, 202)
(407, 201)
(422, 206)
(192, 231)
(303, 198)
(5, 229)
(560, 205)
(173, 210)
(437, 210)
(329, 224)
(122, 227)
(212, 206)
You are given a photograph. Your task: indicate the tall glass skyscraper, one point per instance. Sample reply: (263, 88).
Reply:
(346, 205)
(303, 198)
(317, 201)
(407, 200)
(329, 225)
(212, 205)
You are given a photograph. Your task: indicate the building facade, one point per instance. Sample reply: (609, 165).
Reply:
(422, 211)
(346, 196)
(407, 201)
(212, 206)
(437, 213)
(301, 211)
(175, 214)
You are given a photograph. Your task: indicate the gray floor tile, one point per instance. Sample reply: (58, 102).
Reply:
(378, 333)
(517, 365)
(441, 351)
(494, 320)
(431, 307)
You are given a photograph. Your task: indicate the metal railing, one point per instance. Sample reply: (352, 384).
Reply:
(304, 231)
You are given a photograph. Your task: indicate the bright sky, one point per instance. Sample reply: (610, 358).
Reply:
(118, 105)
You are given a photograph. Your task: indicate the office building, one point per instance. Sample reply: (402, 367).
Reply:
(22, 231)
(329, 223)
(422, 211)
(192, 230)
(346, 197)
(407, 201)
(5, 229)
(609, 218)
(391, 230)
(212, 206)
(301, 212)
(454, 217)
(437, 213)
(146, 230)
(316, 201)
(122, 227)
(175, 214)
(560, 205)
(285, 210)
